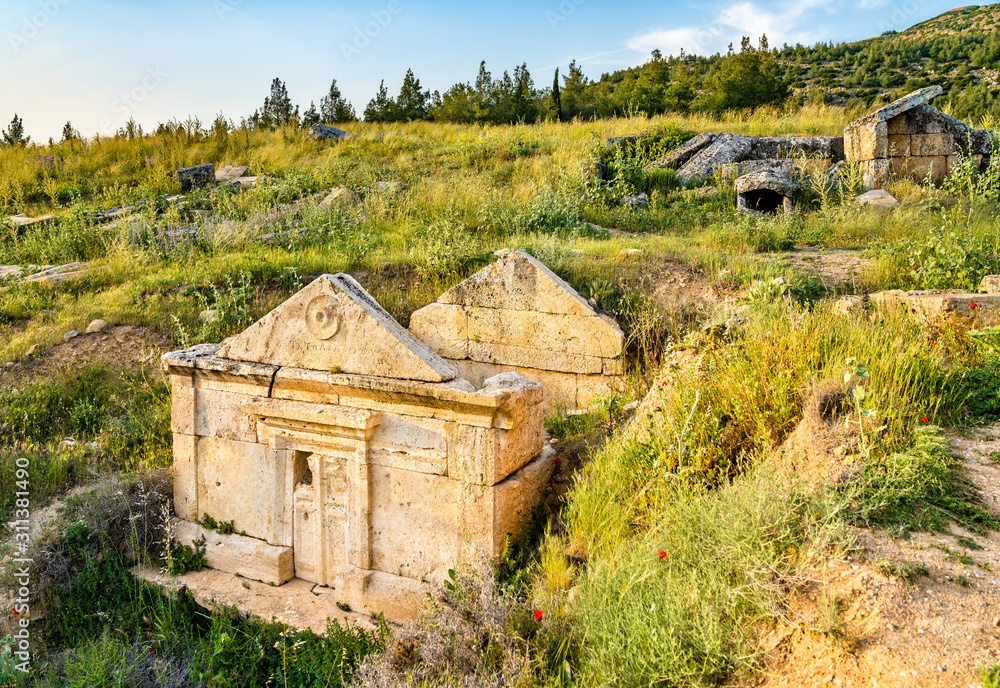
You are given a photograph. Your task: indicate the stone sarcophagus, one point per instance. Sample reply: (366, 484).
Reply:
(345, 452)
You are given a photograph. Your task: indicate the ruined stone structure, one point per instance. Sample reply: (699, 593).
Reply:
(347, 453)
(908, 137)
(764, 191)
(516, 315)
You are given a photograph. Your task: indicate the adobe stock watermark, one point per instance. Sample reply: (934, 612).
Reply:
(364, 35)
(32, 25)
(20, 641)
(901, 17)
(563, 12)
(224, 7)
(125, 103)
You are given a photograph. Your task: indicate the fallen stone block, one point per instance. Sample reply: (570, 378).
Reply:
(249, 557)
(724, 150)
(682, 153)
(877, 197)
(958, 309)
(322, 132)
(230, 172)
(196, 175)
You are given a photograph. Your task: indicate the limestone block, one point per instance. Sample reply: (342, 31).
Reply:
(488, 515)
(197, 175)
(900, 146)
(249, 557)
(990, 284)
(238, 481)
(932, 145)
(954, 309)
(182, 405)
(444, 328)
(518, 282)
(222, 414)
(919, 167)
(557, 388)
(335, 325)
(534, 358)
(231, 172)
(414, 523)
(568, 334)
(866, 140)
(877, 197)
(724, 150)
(416, 444)
(485, 456)
(875, 173)
(185, 476)
(590, 387)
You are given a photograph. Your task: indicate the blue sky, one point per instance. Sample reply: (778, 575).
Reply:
(98, 62)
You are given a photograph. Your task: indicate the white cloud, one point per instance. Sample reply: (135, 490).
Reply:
(783, 24)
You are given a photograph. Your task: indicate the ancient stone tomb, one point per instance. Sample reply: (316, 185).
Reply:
(347, 453)
(516, 315)
(908, 137)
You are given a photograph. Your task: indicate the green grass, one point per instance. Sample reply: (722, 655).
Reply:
(702, 488)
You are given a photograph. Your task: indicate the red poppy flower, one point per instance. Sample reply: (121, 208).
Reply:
(16, 613)
(538, 615)
(923, 419)
(972, 305)
(663, 555)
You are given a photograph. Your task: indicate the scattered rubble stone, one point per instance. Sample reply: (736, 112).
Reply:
(877, 197)
(230, 172)
(340, 197)
(196, 175)
(638, 201)
(71, 335)
(322, 132)
(96, 326)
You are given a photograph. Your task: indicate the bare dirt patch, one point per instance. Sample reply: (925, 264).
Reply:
(936, 629)
(837, 269)
(125, 347)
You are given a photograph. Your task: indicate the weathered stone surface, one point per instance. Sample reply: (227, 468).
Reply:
(230, 172)
(963, 311)
(249, 557)
(638, 201)
(527, 357)
(444, 327)
(322, 132)
(765, 179)
(879, 197)
(764, 191)
(592, 169)
(186, 477)
(875, 173)
(25, 221)
(197, 175)
(340, 197)
(585, 335)
(725, 149)
(96, 326)
(590, 387)
(682, 153)
(390, 187)
(560, 389)
(990, 284)
(334, 324)
(782, 167)
(796, 147)
(518, 282)
(237, 482)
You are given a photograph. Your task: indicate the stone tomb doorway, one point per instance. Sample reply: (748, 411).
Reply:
(322, 475)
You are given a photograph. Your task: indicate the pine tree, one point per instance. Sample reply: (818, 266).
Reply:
(412, 102)
(335, 108)
(69, 133)
(555, 101)
(381, 108)
(277, 110)
(311, 115)
(14, 136)
(524, 95)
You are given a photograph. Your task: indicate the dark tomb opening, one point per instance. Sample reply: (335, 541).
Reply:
(764, 200)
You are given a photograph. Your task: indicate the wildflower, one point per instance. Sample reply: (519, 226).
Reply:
(557, 462)
(663, 555)
(538, 615)
(933, 343)
(972, 305)
(923, 419)
(16, 613)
